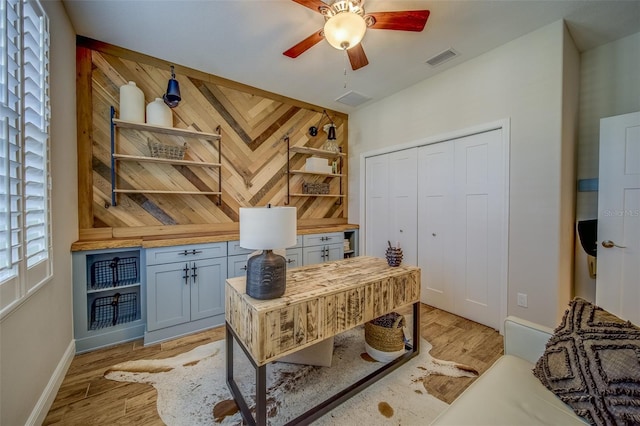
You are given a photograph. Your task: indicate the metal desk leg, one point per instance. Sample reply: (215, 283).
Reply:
(261, 395)
(261, 383)
(416, 327)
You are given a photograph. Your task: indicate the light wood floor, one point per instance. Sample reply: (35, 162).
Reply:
(87, 398)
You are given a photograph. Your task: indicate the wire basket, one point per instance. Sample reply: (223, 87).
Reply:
(113, 310)
(315, 188)
(172, 152)
(114, 272)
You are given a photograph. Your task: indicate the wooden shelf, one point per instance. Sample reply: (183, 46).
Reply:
(126, 157)
(339, 158)
(171, 131)
(162, 191)
(316, 152)
(318, 195)
(303, 172)
(165, 130)
(101, 290)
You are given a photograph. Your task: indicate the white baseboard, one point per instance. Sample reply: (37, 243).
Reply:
(45, 401)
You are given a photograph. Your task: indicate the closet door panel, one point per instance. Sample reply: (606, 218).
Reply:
(377, 205)
(403, 177)
(479, 213)
(435, 208)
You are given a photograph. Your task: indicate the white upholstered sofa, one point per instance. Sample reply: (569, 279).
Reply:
(508, 393)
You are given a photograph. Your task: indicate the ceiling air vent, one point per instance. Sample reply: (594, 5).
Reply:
(442, 57)
(352, 98)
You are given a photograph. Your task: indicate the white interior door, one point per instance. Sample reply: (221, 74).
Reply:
(618, 272)
(436, 256)
(479, 217)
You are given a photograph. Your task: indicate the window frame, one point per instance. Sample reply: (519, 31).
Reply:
(26, 261)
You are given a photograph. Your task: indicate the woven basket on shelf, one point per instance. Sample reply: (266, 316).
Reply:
(385, 333)
(172, 152)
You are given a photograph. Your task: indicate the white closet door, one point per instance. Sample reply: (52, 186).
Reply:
(376, 205)
(436, 257)
(445, 203)
(479, 213)
(403, 189)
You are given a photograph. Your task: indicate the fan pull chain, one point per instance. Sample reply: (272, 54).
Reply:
(345, 68)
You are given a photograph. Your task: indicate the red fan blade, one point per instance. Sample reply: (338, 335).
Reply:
(312, 4)
(357, 57)
(407, 20)
(304, 45)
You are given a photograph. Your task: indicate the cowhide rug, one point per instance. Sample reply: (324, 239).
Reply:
(192, 387)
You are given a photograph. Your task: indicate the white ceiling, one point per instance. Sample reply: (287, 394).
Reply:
(243, 40)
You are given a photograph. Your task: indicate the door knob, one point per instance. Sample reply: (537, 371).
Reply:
(611, 244)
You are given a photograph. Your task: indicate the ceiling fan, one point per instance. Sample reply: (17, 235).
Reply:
(346, 23)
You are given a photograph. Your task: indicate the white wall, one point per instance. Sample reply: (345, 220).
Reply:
(36, 338)
(609, 85)
(522, 81)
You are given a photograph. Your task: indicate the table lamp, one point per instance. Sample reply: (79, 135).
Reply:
(267, 228)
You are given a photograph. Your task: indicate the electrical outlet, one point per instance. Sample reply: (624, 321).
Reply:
(522, 300)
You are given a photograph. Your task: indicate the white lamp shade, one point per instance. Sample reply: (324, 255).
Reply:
(345, 30)
(267, 228)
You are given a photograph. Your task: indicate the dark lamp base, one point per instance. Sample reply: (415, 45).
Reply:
(266, 275)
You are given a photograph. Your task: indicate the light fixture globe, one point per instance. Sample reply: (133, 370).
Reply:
(344, 30)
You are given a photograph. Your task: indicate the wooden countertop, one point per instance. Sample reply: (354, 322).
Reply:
(151, 241)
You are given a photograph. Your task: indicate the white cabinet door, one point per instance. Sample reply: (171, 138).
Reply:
(334, 252)
(294, 257)
(436, 256)
(207, 287)
(168, 295)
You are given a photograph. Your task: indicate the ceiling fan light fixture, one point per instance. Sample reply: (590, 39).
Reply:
(344, 30)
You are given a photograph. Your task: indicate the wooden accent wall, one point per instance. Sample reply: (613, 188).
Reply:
(253, 125)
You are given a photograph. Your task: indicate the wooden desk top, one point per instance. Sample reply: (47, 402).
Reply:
(320, 301)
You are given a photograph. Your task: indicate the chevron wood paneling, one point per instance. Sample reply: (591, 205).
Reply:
(254, 153)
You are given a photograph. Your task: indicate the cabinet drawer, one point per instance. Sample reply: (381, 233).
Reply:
(236, 265)
(233, 248)
(322, 239)
(162, 255)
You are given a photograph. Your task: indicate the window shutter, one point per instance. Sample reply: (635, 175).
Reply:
(25, 241)
(10, 151)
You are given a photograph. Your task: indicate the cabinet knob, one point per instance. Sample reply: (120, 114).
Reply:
(244, 268)
(288, 261)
